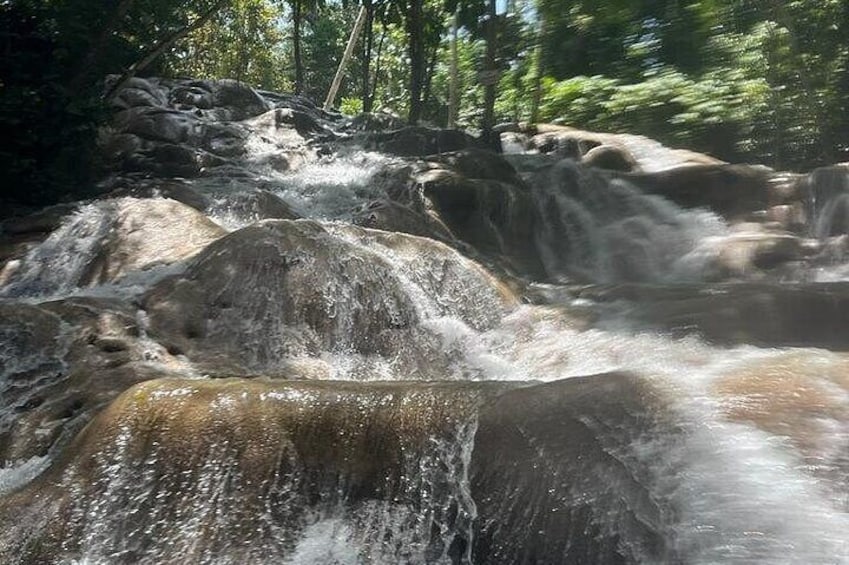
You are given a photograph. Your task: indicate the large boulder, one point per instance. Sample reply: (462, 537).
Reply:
(281, 290)
(762, 314)
(178, 471)
(733, 191)
(610, 157)
(225, 99)
(419, 141)
(471, 199)
(107, 240)
(64, 361)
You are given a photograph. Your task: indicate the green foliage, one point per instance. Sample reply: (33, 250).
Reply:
(351, 106)
(53, 80)
(243, 41)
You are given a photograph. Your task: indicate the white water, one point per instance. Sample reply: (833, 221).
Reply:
(742, 492)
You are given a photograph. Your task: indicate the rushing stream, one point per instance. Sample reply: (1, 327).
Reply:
(214, 387)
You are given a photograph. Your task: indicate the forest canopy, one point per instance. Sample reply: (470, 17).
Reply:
(746, 80)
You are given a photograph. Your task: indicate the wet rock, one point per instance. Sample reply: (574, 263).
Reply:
(479, 164)
(766, 315)
(386, 460)
(610, 157)
(650, 155)
(420, 141)
(793, 396)
(560, 468)
(751, 251)
(107, 240)
(41, 222)
(160, 124)
(388, 215)
(481, 201)
(378, 121)
(251, 206)
(174, 189)
(62, 362)
(733, 191)
(229, 100)
(280, 290)
(140, 92)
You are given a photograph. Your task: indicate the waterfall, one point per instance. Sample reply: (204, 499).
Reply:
(606, 230)
(227, 369)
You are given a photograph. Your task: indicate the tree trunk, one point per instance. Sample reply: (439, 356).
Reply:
(490, 66)
(162, 47)
(297, 19)
(454, 85)
(377, 67)
(538, 71)
(346, 56)
(415, 50)
(430, 70)
(368, 48)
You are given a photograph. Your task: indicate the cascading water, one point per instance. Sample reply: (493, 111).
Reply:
(402, 404)
(603, 230)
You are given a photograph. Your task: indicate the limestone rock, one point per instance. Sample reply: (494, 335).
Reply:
(64, 361)
(107, 240)
(610, 157)
(767, 315)
(419, 454)
(280, 290)
(420, 141)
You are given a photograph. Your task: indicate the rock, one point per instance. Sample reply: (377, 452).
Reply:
(420, 141)
(63, 361)
(160, 124)
(766, 315)
(750, 252)
(479, 164)
(107, 240)
(478, 198)
(226, 99)
(389, 461)
(174, 189)
(610, 157)
(792, 395)
(140, 92)
(276, 128)
(379, 121)
(251, 206)
(41, 222)
(512, 143)
(556, 448)
(388, 215)
(281, 290)
(650, 155)
(733, 191)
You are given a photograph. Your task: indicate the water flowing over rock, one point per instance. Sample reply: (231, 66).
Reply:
(107, 240)
(279, 289)
(340, 455)
(283, 335)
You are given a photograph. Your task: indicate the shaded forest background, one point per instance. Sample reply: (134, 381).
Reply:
(746, 80)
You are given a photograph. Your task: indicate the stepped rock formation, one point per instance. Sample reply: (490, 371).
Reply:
(287, 336)
(282, 457)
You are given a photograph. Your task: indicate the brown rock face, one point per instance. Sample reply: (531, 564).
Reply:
(481, 201)
(178, 471)
(107, 240)
(62, 362)
(610, 157)
(761, 314)
(279, 289)
(733, 191)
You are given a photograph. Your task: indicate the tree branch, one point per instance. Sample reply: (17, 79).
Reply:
(163, 46)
